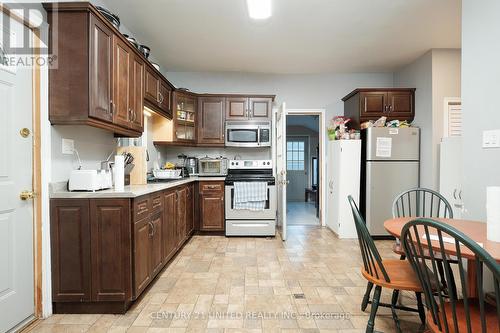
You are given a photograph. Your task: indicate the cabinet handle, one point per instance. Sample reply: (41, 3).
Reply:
(151, 233)
(160, 97)
(112, 108)
(390, 108)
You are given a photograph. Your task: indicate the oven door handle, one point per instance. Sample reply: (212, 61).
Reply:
(258, 135)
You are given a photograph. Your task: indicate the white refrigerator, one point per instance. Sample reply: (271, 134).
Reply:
(343, 172)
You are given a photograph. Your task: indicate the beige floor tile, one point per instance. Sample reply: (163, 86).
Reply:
(214, 277)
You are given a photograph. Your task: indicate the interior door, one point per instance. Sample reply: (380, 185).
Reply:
(281, 168)
(16, 215)
(297, 160)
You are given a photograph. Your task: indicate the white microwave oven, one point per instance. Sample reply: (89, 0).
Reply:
(248, 134)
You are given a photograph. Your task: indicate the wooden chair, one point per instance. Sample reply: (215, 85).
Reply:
(419, 202)
(423, 202)
(423, 240)
(394, 274)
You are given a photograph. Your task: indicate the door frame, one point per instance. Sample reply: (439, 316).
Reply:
(307, 161)
(322, 155)
(39, 99)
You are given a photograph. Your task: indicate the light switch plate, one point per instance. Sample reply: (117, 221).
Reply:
(68, 146)
(491, 139)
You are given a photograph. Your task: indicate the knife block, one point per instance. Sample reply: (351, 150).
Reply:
(138, 174)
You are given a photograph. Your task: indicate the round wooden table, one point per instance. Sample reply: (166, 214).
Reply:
(474, 229)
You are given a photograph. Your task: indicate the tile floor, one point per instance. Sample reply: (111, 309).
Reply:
(219, 284)
(301, 213)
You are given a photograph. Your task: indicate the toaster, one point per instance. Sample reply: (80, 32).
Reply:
(90, 180)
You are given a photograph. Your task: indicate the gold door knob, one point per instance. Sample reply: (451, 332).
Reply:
(27, 195)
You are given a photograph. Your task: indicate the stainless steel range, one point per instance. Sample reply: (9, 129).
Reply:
(245, 222)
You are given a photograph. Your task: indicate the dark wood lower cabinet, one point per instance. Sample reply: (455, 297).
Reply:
(211, 206)
(156, 243)
(142, 250)
(69, 233)
(169, 225)
(110, 240)
(105, 252)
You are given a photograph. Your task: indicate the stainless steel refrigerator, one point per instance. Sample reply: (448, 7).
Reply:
(390, 165)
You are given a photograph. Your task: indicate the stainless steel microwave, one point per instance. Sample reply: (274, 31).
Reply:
(248, 134)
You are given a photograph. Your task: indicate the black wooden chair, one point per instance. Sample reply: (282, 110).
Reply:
(419, 202)
(394, 274)
(423, 202)
(423, 240)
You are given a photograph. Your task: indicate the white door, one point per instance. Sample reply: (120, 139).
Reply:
(16, 215)
(297, 160)
(281, 167)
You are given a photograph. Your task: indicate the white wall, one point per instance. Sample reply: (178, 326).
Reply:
(436, 75)
(481, 85)
(419, 75)
(299, 91)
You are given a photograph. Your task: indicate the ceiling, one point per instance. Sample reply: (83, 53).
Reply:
(302, 36)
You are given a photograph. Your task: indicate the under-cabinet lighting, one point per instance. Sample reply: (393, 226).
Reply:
(147, 112)
(259, 9)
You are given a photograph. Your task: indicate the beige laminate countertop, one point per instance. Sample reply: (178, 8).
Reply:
(58, 190)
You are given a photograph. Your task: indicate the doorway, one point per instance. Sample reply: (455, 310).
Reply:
(302, 168)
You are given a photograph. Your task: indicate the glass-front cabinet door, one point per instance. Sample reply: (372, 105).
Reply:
(185, 117)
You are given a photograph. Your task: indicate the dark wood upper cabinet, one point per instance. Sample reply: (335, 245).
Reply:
(374, 104)
(157, 93)
(237, 108)
(165, 94)
(370, 104)
(211, 206)
(401, 104)
(99, 79)
(136, 94)
(247, 108)
(260, 107)
(122, 66)
(110, 228)
(70, 250)
(100, 70)
(152, 86)
(211, 114)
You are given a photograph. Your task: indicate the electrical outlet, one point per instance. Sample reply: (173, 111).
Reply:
(68, 146)
(491, 139)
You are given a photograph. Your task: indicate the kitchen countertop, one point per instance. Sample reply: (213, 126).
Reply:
(59, 191)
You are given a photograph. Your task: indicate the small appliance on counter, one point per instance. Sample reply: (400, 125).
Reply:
(208, 166)
(192, 165)
(90, 180)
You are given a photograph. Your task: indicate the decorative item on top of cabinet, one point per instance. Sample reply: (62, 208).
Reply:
(249, 107)
(211, 206)
(99, 77)
(372, 103)
(211, 115)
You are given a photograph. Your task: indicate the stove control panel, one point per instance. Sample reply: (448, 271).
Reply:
(250, 164)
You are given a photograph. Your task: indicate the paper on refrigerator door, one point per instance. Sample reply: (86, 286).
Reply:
(384, 147)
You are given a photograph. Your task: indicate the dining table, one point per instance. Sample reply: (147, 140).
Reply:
(475, 230)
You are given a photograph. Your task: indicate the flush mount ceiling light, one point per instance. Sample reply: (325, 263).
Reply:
(259, 9)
